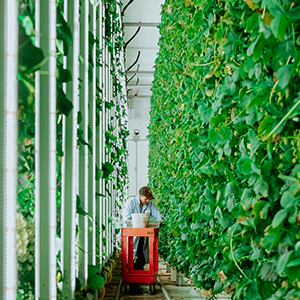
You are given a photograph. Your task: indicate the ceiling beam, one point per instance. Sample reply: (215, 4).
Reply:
(140, 47)
(141, 24)
(143, 85)
(140, 72)
(141, 96)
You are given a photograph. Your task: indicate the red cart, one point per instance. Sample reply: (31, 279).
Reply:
(129, 275)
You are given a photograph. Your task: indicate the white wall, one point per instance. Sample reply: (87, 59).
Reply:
(138, 145)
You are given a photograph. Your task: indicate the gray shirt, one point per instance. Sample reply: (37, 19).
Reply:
(132, 205)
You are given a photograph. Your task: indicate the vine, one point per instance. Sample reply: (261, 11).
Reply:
(225, 125)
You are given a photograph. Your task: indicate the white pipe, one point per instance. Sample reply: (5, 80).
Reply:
(164, 289)
(10, 163)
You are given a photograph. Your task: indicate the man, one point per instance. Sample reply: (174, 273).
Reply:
(141, 204)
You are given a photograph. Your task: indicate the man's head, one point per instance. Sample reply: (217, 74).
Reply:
(145, 195)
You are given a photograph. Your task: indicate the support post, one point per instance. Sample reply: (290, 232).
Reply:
(45, 137)
(83, 149)
(8, 148)
(71, 158)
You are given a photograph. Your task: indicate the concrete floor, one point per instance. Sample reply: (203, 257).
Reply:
(187, 291)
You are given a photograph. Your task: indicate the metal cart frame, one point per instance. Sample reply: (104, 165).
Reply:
(129, 275)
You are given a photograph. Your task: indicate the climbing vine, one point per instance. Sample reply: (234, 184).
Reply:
(224, 144)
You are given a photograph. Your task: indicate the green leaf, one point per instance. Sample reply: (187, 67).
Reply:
(268, 271)
(244, 165)
(282, 262)
(64, 105)
(256, 253)
(218, 286)
(200, 3)
(253, 22)
(251, 292)
(95, 281)
(99, 173)
(284, 75)
(92, 270)
(258, 99)
(260, 209)
(297, 248)
(265, 126)
(279, 217)
(294, 13)
(227, 149)
(229, 175)
(63, 29)
(247, 198)
(252, 46)
(220, 135)
(293, 263)
(279, 26)
(63, 75)
(287, 199)
(30, 56)
(261, 188)
(79, 117)
(107, 169)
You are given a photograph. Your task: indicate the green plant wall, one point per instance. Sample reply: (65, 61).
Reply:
(225, 144)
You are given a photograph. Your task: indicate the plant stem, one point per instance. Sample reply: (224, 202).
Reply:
(202, 65)
(232, 251)
(293, 30)
(236, 116)
(272, 92)
(283, 119)
(39, 65)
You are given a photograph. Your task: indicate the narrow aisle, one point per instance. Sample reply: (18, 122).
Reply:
(142, 291)
(169, 290)
(186, 290)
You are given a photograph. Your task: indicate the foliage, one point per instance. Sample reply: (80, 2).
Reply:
(31, 59)
(224, 144)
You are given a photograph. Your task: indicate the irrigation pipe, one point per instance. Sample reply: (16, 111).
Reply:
(164, 289)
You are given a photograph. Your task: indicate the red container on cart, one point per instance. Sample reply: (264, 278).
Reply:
(129, 275)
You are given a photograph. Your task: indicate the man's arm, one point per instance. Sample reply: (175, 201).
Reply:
(155, 213)
(127, 211)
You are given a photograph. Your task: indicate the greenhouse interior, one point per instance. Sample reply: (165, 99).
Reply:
(197, 99)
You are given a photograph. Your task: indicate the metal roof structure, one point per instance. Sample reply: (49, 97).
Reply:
(140, 21)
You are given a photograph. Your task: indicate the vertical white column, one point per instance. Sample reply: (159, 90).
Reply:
(45, 172)
(110, 124)
(63, 162)
(103, 158)
(8, 152)
(92, 162)
(93, 120)
(86, 120)
(83, 149)
(100, 135)
(2, 146)
(71, 158)
(107, 74)
(37, 157)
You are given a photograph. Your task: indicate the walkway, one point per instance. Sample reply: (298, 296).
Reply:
(168, 289)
